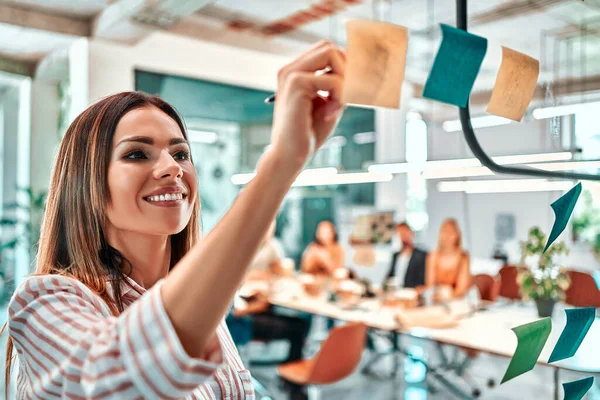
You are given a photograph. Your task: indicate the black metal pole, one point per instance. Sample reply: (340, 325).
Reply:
(471, 139)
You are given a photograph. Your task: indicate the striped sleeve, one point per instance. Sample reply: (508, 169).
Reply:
(70, 346)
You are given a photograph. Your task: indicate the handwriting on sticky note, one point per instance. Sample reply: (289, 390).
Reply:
(577, 389)
(455, 67)
(375, 61)
(563, 208)
(579, 322)
(515, 85)
(531, 339)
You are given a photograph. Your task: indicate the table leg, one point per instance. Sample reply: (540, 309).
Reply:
(556, 382)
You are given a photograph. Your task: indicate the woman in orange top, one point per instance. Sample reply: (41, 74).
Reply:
(324, 255)
(448, 265)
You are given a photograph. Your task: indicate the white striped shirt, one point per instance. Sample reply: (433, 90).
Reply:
(69, 345)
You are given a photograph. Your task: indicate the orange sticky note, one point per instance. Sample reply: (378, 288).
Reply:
(515, 85)
(375, 61)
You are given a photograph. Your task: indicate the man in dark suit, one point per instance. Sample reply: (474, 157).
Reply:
(408, 264)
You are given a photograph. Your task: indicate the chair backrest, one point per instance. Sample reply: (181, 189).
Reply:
(509, 287)
(583, 291)
(339, 355)
(489, 286)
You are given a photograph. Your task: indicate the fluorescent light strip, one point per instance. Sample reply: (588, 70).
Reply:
(207, 137)
(484, 171)
(342, 179)
(243, 179)
(559, 111)
(504, 186)
(477, 122)
(398, 168)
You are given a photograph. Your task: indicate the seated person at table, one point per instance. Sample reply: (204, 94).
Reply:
(268, 257)
(324, 255)
(408, 264)
(448, 266)
(265, 324)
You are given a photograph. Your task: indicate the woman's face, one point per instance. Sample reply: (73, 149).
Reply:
(151, 179)
(325, 232)
(448, 235)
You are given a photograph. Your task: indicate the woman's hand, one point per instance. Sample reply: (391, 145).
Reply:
(303, 119)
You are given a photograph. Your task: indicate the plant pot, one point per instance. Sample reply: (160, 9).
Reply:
(545, 307)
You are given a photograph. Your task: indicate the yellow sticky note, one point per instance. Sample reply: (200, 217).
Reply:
(515, 85)
(376, 57)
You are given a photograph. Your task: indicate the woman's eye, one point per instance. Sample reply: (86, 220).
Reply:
(181, 155)
(136, 155)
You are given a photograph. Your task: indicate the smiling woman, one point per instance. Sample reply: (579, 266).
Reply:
(126, 302)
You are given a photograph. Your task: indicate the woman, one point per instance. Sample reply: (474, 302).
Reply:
(448, 266)
(324, 255)
(126, 302)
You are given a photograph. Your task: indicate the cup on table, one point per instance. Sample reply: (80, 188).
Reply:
(313, 285)
(349, 292)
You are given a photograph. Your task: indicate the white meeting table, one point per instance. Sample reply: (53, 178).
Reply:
(488, 331)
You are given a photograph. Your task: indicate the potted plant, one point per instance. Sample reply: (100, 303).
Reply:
(19, 228)
(540, 277)
(586, 224)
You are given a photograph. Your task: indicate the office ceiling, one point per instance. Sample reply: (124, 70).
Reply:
(562, 34)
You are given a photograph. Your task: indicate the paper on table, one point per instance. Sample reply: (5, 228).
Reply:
(563, 208)
(515, 85)
(531, 339)
(577, 389)
(455, 67)
(375, 60)
(579, 321)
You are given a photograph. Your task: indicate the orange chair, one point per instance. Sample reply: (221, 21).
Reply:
(583, 291)
(489, 286)
(338, 357)
(509, 287)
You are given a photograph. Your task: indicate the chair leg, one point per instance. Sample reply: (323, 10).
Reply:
(261, 392)
(313, 392)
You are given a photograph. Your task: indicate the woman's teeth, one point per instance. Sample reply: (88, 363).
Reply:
(166, 197)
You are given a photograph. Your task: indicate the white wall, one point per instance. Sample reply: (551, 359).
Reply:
(111, 66)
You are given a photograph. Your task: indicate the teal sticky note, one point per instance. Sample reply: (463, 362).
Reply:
(455, 67)
(563, 208)
(579, 322)
(531, 339)
(577, 389)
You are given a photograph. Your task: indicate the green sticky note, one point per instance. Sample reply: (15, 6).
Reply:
(577, 389)
(579, 322)
(531, 340)
(563, 208)
(455, 67)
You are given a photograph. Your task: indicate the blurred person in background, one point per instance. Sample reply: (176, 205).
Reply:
(254, 312)
(324, 255)
(408, 264)
(448, 266)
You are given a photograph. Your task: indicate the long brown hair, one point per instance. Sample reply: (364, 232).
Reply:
(72, 240)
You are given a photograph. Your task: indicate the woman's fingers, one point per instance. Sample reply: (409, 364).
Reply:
(325, 55)
(308, 84)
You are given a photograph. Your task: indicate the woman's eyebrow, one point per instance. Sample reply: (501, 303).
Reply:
(150, 141)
